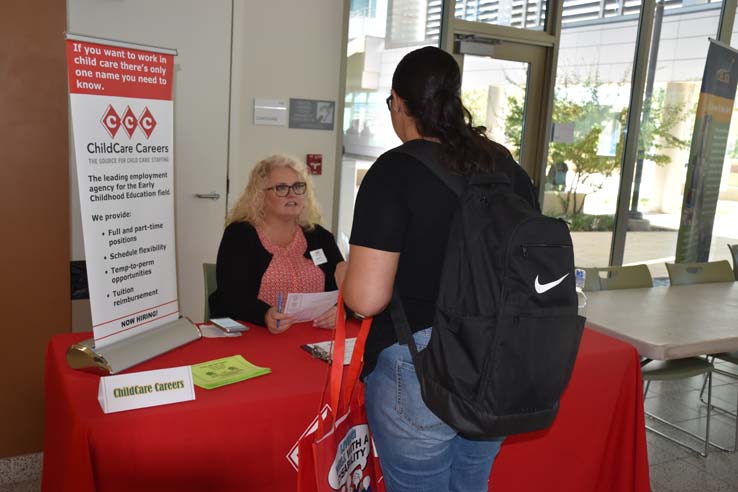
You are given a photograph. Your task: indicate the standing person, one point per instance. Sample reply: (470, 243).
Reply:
(401, 224)
(273, 244)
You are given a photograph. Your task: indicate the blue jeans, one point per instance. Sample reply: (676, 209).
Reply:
(417, 450)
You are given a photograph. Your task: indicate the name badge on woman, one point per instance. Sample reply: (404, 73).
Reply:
(318, 256)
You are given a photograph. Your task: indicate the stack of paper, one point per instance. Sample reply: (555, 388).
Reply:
(219, 372)
(307, 307)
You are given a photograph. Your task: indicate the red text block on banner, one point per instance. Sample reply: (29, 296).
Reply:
(114, 71)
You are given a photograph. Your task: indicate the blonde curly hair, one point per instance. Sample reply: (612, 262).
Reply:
(250, 205)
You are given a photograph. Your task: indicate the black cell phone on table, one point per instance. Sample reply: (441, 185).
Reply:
(229, 325)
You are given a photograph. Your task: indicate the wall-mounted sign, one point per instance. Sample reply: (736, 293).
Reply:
(270, 112)
(312, 114)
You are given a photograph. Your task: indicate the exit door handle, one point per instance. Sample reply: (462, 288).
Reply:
(212, 195)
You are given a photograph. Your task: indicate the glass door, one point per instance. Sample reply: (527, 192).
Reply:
(674, 75)
(380, 33)
(502, 86)
(574, 161)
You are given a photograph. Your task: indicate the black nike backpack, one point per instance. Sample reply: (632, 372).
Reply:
(506, 330)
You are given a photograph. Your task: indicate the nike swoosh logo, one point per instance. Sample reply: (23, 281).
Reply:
(541, 288)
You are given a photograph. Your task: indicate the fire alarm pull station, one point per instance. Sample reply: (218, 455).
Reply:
(315, 163)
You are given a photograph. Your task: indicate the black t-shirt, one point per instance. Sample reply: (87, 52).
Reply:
(403, 207)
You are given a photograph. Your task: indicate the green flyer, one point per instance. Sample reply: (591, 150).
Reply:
(219, 372)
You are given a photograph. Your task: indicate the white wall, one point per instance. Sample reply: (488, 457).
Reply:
(283, 49)
(280, 49)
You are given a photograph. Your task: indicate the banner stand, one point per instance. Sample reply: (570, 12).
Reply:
(122, 115)
(707, 153)
(123, 354)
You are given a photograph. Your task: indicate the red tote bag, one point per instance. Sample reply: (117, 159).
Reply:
(339, 456)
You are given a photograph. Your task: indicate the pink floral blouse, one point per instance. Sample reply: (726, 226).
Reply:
(289, 270)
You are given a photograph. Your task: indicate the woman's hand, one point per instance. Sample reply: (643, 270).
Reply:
(327, 319)
(272, 316)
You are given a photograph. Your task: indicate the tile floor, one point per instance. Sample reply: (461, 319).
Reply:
(27, 486)
(673, 468)
(21, 473)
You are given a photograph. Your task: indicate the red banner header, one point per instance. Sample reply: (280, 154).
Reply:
(114, 71)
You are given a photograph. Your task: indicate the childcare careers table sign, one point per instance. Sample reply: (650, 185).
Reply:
(122, 121)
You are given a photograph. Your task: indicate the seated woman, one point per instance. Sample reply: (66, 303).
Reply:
(273, 244)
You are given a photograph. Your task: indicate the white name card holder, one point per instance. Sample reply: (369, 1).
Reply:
(126, 353)
(145, 389)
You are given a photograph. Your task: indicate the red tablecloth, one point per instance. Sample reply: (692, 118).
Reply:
(237, 437)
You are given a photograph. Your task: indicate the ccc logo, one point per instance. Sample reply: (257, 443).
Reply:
(112, 121)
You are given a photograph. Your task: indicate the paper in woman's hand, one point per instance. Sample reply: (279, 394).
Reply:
(307, 307)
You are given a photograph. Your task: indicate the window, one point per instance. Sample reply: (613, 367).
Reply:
(678, 52)
(530, 14)
(381, 32)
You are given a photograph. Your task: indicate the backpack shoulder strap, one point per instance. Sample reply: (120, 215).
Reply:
(429, 156)
(399, 320)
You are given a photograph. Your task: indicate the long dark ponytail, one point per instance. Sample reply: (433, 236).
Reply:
(429, 82)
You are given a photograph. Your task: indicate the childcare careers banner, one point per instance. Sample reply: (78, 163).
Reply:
(121, 108)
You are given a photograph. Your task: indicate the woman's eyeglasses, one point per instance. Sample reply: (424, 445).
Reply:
(389, 102)
(283, 189)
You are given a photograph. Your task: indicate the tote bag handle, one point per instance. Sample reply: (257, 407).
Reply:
(337, 386)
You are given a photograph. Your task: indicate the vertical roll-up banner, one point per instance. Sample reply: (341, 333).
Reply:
(707, 153)
(121, 108)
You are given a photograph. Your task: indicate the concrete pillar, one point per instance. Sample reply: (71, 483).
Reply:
(669, 179)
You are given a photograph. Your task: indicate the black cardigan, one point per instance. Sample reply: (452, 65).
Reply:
(242, 261)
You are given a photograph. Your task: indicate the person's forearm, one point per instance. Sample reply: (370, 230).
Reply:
(369, 279)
